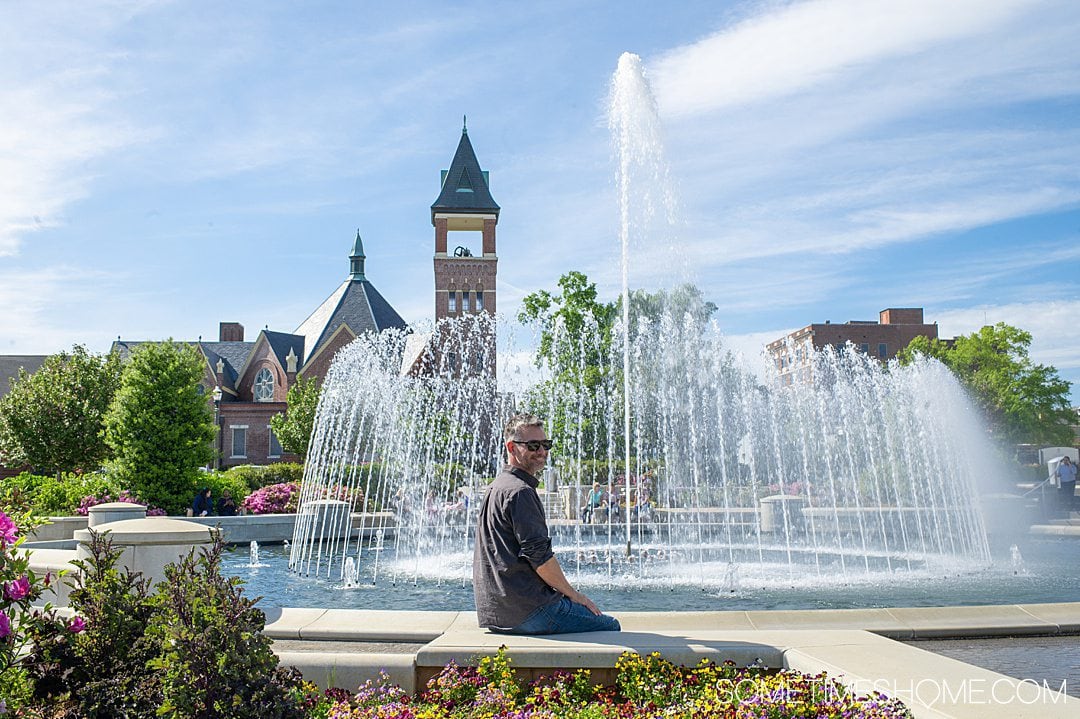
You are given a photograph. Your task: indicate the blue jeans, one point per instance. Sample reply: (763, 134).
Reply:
(564, 617)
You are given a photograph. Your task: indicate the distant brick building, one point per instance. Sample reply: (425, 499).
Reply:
(248, 381)
(893, 331)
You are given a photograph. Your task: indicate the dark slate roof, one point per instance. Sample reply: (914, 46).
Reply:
(10, 365)
(355, 303)
(465, 186)
(282, 342)
(233, 354)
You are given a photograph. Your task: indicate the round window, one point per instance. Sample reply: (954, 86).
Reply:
(264, 386)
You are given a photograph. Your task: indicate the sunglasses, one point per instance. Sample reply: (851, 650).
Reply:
(534, 444)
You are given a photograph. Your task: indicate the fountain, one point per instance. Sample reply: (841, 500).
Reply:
(253, 555)
(716, 478)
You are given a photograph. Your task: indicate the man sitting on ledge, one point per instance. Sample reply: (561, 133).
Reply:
(517, 581)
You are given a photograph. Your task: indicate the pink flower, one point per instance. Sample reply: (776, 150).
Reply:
(8, 531)
(5, 625)
(76, 625)
(17, 589)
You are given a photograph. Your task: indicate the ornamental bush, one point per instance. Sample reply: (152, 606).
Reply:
(20, 622)
(102, 671)
(48, 496)
(274, 499)
(256, 477)
(159, 427)
(215, 660)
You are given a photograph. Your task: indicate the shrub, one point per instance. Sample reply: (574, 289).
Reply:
(123, 496)
(55, 496)
(218, 482)
(256, 477)
(21, 624)
(103, 670)
(274, 499)
(159, 427)
(215, 660)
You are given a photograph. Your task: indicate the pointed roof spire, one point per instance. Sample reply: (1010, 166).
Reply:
(464, 124)
(356, 259)
(464, 185)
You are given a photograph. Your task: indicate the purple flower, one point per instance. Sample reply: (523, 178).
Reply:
(76, 625)
(8, 531)
(17, 589)
(5, 625)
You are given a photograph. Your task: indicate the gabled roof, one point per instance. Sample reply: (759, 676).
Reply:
(232, 354)
(282, 343)
(10, 365)
(355, 303)
(465, 185)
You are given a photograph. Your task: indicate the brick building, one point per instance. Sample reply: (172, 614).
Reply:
(248, 381)
(465, 277)
(893, 331)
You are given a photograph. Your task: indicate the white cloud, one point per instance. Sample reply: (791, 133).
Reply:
(800, 46)
(40, 307)
(59, 114)
(1054, 339)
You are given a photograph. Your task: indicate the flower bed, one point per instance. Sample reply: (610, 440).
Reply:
(646, 686)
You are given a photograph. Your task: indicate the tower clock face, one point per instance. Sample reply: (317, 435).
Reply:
(264, 386)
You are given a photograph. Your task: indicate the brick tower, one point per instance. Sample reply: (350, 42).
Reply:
(465, 275)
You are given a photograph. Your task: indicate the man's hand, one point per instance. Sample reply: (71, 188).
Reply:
(579, 598)
(552, 573)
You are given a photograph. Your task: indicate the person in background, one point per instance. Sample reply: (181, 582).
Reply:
(203, 506)
(226, 505)
(1066, 482)
(595, 499)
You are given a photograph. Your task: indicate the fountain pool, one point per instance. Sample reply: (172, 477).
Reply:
(1048, 573)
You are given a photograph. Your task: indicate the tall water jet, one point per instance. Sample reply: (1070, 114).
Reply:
(642, 183)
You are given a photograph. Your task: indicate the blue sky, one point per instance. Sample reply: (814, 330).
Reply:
(165, 166)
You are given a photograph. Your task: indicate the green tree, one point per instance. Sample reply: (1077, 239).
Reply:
(575, 342)
(1022, 401)
(293, 429)
(680, 303)
(159, 426)
(53, 419)
(573, 311)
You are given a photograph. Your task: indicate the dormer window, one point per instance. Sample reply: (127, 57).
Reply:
(264, 386)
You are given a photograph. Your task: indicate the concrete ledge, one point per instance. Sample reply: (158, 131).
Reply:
(598, 651)
(1055, 530)
(932, 686)
(350, 670)
(56, 528)
(376, 625)
(926, 622)
(1064, 615)
(53, 561)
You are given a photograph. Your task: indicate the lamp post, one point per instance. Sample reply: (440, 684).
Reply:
(217, 426)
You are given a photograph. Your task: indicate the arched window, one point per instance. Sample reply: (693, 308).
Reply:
(264, 386)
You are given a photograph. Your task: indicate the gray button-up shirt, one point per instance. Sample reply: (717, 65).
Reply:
(512, 540)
